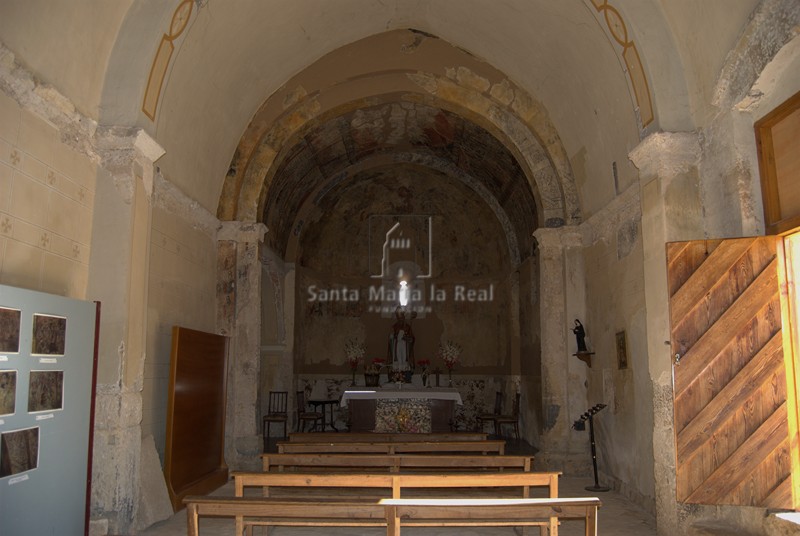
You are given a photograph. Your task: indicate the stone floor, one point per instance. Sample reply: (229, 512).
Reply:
(618, 516)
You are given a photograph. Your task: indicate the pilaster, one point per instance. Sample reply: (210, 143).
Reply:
(239, 317)
(562, 296)
(671, 211)
(119, 267)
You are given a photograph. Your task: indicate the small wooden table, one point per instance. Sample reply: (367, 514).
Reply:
(325, 420)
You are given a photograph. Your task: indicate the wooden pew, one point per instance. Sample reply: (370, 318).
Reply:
(393, 484)
(295, 512)
(398, 486)
(392, 513)
(393, 463)
(495, 446)
(368, 437)
(489, 513)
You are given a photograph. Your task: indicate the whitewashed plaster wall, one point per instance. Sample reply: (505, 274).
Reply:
(615, 303)
(46, 204)
(182, 281)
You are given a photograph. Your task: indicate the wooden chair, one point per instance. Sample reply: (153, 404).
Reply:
(304, 416)
(491, 417)
(500, 420)
(276, 413)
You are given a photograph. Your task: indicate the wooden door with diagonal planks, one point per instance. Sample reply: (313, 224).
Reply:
(730, 389)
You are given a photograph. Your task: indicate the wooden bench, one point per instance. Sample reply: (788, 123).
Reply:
(250, 512)
(368, 437)
(392, 513)
(394, 447)
(393, 484)
(393, 463)
(489, 513)
(396, 486)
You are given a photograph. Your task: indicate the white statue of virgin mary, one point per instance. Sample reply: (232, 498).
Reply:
(401, 342)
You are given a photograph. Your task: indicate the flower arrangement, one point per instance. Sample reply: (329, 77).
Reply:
(374, 367)
(449, 352)
(354, 351)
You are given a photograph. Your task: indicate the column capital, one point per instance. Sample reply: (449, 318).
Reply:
(147, 146)
(558, 237)
(666, 154)
(241, 231)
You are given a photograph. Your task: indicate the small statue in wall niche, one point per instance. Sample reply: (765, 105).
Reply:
(580, 335)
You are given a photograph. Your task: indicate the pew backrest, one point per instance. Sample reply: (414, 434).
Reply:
(397, 483)
(494, 512)
(368, 437)
(489, 446)
(394, 513)
(393, 463)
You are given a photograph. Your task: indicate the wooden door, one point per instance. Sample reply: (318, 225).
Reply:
(732, 413)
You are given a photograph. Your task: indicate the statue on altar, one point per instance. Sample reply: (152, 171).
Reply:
(401, 342)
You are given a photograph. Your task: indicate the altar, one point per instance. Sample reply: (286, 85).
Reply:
(409, 409)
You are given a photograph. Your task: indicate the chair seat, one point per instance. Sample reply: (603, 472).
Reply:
(316, 418)
(276, 413)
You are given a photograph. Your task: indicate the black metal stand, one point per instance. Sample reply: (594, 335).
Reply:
(597, 486)
(580, 425)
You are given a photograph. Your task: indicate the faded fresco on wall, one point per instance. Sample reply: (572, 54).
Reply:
(46, 390)
(8, 391)
(49, 335)
(19, 451)
(9, 330)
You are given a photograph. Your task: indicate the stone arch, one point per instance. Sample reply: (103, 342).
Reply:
(473, 89)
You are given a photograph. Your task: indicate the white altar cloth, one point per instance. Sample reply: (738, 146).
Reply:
(407, 391)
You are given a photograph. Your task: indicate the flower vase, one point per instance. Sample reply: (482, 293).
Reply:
(424, 378)
(353, 382)
(449, 377)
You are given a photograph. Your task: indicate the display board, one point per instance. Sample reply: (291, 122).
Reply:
(194, 461)
(47, 365)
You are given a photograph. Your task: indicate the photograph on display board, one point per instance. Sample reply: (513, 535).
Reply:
(9, 330)
(49, 335)
(8, 391)
(19, 451)
(46, 390)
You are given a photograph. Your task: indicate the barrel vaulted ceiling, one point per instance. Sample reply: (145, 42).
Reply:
(263, 107)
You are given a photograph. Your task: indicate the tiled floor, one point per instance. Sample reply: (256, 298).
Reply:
(618, 517)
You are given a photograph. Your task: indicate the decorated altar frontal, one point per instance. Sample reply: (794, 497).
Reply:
(405, 409)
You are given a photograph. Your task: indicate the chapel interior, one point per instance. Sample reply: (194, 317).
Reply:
(270, 172)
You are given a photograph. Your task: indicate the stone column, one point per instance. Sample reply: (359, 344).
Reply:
(239, 317)
(561, 289)
(119, 266)
(671, 211)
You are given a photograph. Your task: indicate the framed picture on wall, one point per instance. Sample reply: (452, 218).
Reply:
(19, 451)
(8, 391)
(49, 335)
(9, 330)
(45, 390)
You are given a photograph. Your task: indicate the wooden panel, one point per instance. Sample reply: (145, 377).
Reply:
(730, 385)
(194, 461)
(779, 165)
